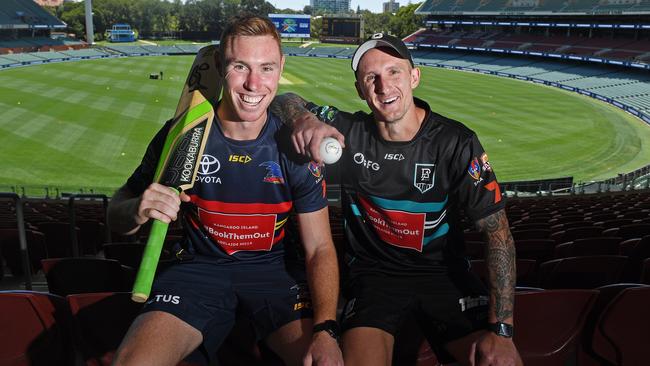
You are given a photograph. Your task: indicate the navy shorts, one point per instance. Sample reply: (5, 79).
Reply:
(209, 295)
(445, 307)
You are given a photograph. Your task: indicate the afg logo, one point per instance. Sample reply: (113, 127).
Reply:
(273, 172)
(474, 169)
(208, 165)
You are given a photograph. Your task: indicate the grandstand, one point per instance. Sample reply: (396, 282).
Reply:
(26, 27)
(596, 31)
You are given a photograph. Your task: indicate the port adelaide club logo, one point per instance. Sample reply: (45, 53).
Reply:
(423, 177)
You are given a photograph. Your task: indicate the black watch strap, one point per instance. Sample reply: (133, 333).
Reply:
(329, 326)
(502, 329)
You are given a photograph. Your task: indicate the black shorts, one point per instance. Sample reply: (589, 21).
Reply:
(445, 307)
(208, 296)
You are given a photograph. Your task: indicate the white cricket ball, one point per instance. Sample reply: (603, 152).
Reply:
(330, 150)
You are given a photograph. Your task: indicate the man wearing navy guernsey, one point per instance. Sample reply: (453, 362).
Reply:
(408, 173)
(237, 255)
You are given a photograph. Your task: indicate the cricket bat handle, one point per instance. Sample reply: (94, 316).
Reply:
(149, 263)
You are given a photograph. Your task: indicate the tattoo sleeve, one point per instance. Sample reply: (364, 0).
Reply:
(500, 259)
(288, 107)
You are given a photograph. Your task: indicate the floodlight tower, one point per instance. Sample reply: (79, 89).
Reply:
(90, 31)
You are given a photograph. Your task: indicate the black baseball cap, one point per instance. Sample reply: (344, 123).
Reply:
(381, 40)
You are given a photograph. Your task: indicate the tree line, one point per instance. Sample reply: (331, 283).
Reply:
(208, 17)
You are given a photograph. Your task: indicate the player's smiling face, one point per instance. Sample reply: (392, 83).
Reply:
(252, 73)
(386, 82)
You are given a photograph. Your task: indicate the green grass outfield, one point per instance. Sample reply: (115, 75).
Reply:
(87, 123)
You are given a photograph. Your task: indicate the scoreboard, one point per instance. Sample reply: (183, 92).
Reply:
(342, 30)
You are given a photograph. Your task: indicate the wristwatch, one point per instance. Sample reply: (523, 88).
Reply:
(329, 326)
(501, 329)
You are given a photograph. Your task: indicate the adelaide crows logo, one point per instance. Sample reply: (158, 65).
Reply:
(273, 172)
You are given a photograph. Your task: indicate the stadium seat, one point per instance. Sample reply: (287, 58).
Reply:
(645, 272)
(576, 233)
(128, 254)
(57, 238)
(548, 324)
(100, 321)
(10, 249)
(585, 272)
(35, 329)
(530, 226)
(629, 231)
(67, 276)
(637, 252)
(592, 338)
(588, 246)
(625, 324)
(540, 250)
(531, 234)
(91, 236)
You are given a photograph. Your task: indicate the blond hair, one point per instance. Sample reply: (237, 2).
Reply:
(248, 25)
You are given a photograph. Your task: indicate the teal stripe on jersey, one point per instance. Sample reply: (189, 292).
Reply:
(440, 232)
(409, 206)
(355, 209)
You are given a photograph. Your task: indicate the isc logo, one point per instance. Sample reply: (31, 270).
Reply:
(239, 158)
(398, 157)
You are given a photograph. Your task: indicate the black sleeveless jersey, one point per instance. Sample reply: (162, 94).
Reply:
(243, 194)
(401, 200)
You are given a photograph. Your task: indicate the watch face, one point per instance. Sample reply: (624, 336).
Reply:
(501, 329)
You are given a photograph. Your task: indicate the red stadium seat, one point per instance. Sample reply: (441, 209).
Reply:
(57, 238)
(645, 272)
(67, 276)
(531, 234)
(576, 233)
(128, 254)
(548, 324)
(625, 323)
(592, 338)
(540, 250)
(581, 272)
(34, 329)
(10, 249)
(100, 322)
(588, 246)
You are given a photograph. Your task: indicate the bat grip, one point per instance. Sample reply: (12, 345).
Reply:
(149, 263)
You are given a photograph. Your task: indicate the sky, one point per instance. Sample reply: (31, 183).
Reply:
(374, 6)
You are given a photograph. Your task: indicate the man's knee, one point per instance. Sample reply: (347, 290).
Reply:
(367, 346)
(157, 338)
(291, 341)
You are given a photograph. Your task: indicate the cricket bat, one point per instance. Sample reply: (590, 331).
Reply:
(182, 151)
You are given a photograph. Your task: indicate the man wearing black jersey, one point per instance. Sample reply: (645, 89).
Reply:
(408, 172)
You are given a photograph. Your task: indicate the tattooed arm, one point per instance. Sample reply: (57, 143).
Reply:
(492, 349)
(500, 259)
(308, 130)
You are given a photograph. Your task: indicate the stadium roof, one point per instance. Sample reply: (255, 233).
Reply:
(26, 14)
(533, 7)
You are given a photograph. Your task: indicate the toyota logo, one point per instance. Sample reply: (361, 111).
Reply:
(208, 165)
